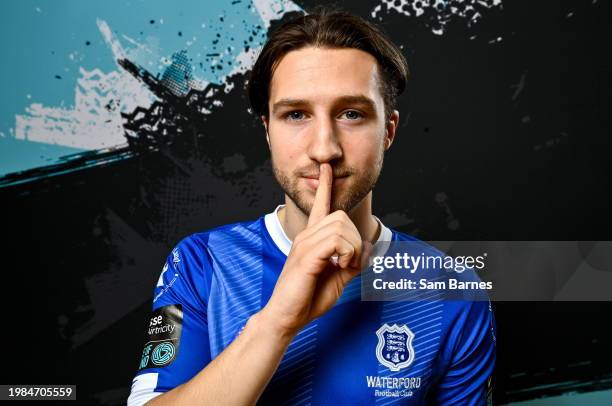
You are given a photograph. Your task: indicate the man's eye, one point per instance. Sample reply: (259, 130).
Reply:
(352, 114)
(294, 115)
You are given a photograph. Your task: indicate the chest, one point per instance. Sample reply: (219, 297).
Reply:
(357, 353)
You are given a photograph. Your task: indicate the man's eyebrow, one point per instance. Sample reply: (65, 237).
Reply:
(347, 99)
(288, 103)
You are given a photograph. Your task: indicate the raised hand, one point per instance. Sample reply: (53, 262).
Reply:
(311, 282)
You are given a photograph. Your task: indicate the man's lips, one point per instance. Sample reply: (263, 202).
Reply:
(313, 181)
(316, 176)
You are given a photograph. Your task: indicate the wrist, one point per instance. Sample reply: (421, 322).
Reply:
(267, 324)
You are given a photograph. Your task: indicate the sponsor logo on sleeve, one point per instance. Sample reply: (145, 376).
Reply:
(163, 337)
(162, 288)
(176, 258)
(160, 281)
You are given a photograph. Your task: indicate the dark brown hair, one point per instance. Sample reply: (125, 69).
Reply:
(328, 28)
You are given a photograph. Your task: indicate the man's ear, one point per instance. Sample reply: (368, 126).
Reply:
(264, 120)
(391, 129)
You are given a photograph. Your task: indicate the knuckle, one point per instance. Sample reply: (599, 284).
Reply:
(337, 240)
(343, 215)
(339, 214)
(338, 226)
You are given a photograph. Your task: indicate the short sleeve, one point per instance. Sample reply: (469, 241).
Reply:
(176, 344)
(467, 380)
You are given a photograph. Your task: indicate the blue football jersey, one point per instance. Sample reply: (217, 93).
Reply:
(358, 353)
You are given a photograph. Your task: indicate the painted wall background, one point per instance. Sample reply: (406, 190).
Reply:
(125, 127)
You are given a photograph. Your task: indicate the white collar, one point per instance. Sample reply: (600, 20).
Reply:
(284, 243)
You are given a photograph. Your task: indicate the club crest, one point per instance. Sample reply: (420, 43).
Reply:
(394, 349)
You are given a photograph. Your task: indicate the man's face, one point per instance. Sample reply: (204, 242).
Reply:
(325, 106)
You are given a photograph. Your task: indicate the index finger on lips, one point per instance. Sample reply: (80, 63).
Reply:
(322, 200)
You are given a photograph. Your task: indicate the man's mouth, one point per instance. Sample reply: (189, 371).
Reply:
(313, 180)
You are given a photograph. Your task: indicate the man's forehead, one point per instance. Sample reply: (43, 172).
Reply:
(316, 74)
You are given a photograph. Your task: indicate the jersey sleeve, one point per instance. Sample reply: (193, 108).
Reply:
(471, 353)
(176, 344)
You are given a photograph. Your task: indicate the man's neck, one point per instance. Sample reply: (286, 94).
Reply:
(293, 220)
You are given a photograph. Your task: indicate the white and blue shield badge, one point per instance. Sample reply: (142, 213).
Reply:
(394, 349)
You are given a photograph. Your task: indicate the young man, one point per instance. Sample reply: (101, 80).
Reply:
(269, 310)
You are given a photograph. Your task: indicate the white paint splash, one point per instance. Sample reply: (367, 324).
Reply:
(95, 121)
(111, 41)
(273, 10)
(439, 11)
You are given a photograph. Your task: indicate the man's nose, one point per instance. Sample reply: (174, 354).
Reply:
(324, 145)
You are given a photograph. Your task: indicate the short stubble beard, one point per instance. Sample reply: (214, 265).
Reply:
(364, 182)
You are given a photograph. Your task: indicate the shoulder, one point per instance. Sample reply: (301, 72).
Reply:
(237, 230)
(222, 235)
(190, 265)
(207, 251)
